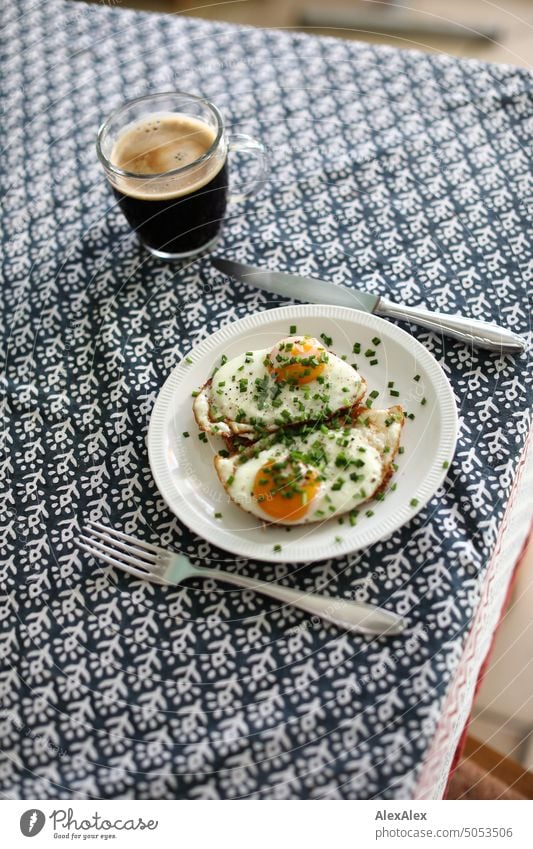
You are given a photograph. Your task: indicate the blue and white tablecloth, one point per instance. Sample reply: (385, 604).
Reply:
(403, 172)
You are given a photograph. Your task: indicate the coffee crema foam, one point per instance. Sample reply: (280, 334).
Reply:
(159, 144)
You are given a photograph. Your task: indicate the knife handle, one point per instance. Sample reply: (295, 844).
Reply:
(483, 334)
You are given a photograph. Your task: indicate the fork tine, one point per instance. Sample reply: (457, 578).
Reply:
(119, 556)
(155, 549)
(129, 549)
(118, 564)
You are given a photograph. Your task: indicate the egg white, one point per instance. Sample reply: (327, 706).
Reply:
(220, 405)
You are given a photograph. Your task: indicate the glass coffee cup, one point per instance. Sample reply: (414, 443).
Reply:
(166, 158)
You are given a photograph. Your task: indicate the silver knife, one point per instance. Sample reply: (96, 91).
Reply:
(483, 334)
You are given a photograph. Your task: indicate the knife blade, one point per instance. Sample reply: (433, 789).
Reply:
(471, 331)
(294, 286)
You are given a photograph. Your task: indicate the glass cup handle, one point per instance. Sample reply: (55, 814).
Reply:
(242, 143)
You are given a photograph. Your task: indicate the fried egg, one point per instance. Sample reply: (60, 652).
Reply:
(309, 474)
(298, 380)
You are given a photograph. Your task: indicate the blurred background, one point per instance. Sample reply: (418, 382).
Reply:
(496, 31)
(502, 717)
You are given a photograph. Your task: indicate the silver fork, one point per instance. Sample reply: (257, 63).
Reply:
(156, 564)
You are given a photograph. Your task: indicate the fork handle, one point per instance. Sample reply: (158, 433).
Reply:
(350, 615)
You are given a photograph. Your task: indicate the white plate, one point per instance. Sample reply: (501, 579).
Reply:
(183, 467)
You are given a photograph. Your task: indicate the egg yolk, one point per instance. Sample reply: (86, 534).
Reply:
(283, 491)
(297, 360)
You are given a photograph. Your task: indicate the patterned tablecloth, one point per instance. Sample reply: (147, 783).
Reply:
(405, 172)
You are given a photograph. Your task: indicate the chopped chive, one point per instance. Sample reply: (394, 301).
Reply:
(390, 384)
(202, 437)
(376, 340)
(374, 393)
(401, 449)
(374, 362)
(186, 434)
(410, 416)
(188, 360)
(293, 329)
(338, 539)
(356, 347)
(369, 513)
(369, 352)
(327, 340)
(414, 502)
(195, 393)
(218, 515)
(445, 465)
(423, 402)
(230, 480)
(277, 547)
(416, 377)
(393, 487)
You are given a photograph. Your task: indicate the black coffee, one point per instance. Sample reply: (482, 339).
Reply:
(171, 213)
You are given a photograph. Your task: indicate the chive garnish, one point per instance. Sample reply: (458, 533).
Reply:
(414, 502)
(186, 433)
